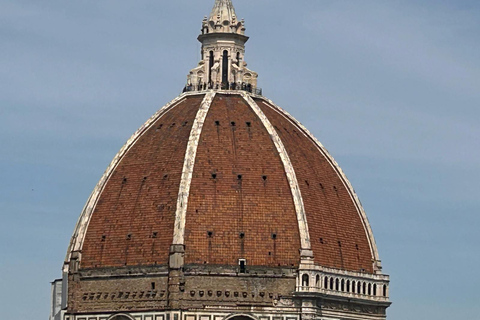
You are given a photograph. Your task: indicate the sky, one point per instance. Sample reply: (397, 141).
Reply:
(391, 88)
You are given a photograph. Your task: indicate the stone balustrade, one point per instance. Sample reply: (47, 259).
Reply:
(348, 284)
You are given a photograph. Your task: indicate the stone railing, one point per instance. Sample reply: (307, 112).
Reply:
(225, 86)
(344, 283)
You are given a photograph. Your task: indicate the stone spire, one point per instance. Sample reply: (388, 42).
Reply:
(224, 19)
(223, 48)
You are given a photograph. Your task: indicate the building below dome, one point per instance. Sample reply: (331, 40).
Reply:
(222, 206)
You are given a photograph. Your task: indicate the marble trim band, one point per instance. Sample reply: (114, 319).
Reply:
(187, 172)
(289, 171)
(336, 167)
(76, 242)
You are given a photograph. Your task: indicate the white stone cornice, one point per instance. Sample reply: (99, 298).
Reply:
(187, 172)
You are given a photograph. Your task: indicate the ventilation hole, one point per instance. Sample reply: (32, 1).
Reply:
(160, 127)
(233, 124)
(214, 176)
(217, 123)
(153, 285)
(264, 178)
(154, 235)
(269, 253)
(339, 243)
(274, 236)
(249, 124)
(321, 186)
(124, 180)
(196, 210)
(335, 188)
(321, 240)
(145, 178)
(242, 235)
(185, 123)
(172, 125)
(239, 177)
(165, 176)
(104, 237)
(307, 183)
(129, 236)
(356, 246)
(210, 234)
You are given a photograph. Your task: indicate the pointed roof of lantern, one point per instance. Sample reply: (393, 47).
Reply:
(223, 18)
(223, 10)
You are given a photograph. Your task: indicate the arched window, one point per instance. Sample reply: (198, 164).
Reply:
(337, 284)
(210, 64)
(374, 289)
(331, 283)
(384, 290)
(325, 282)
(305, 280)
(353, 286)
(238, 58)
(369, 289)
(343, 285)
(364, 291)
(348, 285)
(120, 317)
(225, 68)
(359, 287)
(317, 281)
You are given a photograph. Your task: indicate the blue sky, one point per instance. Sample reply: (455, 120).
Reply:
(391, 88)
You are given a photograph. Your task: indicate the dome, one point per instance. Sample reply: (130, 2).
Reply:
(222, 206)
(233, 177)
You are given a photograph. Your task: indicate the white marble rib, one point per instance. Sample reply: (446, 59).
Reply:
(187, 172)
(336, 167)
(290, 173)
(78, 237)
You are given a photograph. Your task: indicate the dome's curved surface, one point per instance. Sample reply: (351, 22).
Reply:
(254, 171)
(222, 207)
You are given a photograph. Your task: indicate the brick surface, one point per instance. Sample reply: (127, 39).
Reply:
(337, 234)
(258, 205)
(240, 203)
(140, 198)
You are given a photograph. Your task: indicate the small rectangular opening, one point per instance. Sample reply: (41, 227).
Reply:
(243, 265)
